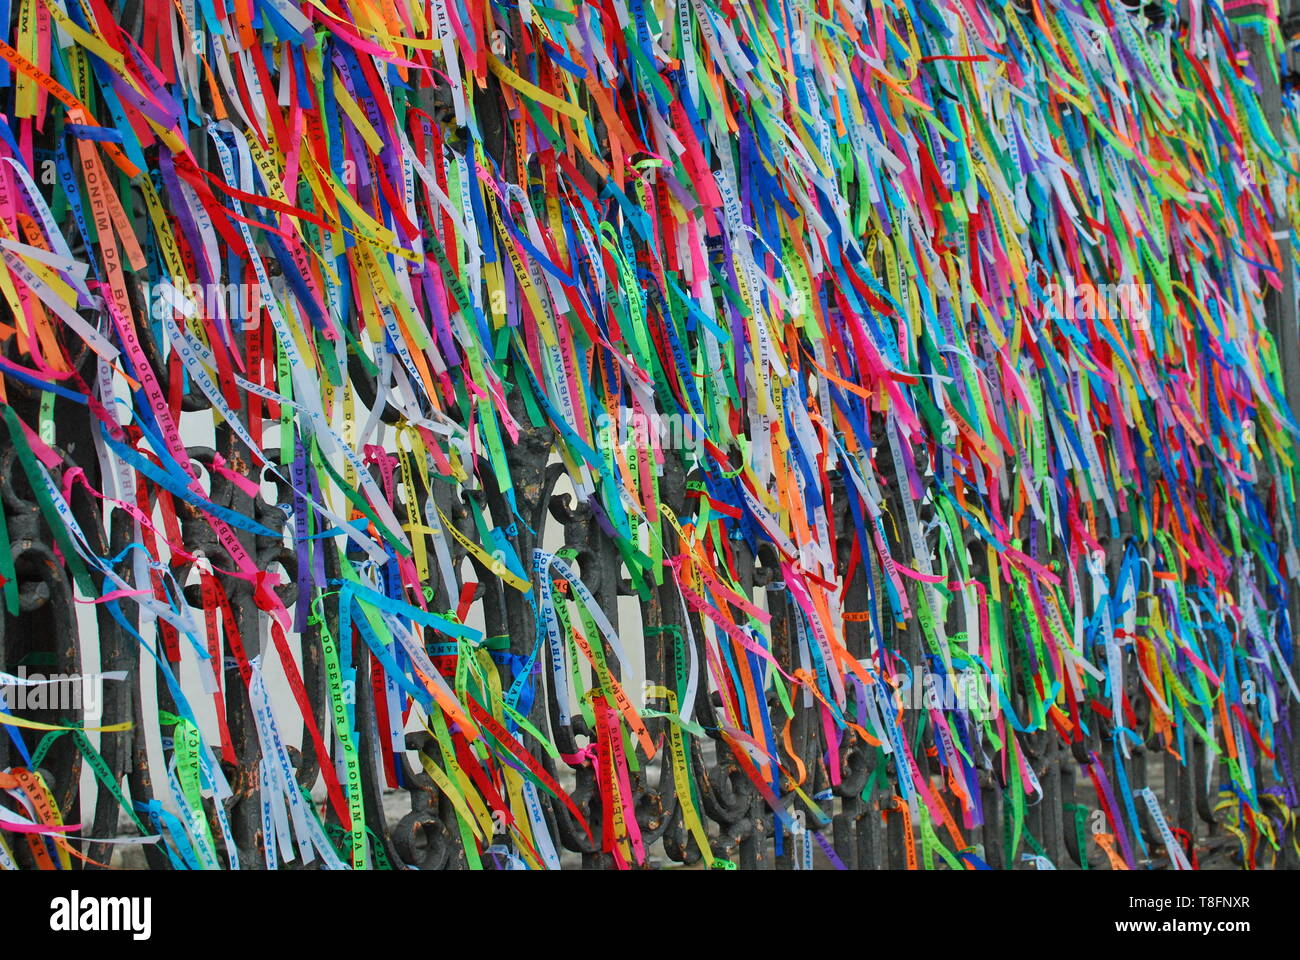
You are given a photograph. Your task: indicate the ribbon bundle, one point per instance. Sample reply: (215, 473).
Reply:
(951, 313)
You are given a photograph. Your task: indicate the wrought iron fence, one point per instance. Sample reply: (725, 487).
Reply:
(856, 815)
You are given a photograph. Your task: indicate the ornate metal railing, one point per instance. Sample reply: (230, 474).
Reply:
(859, 814)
